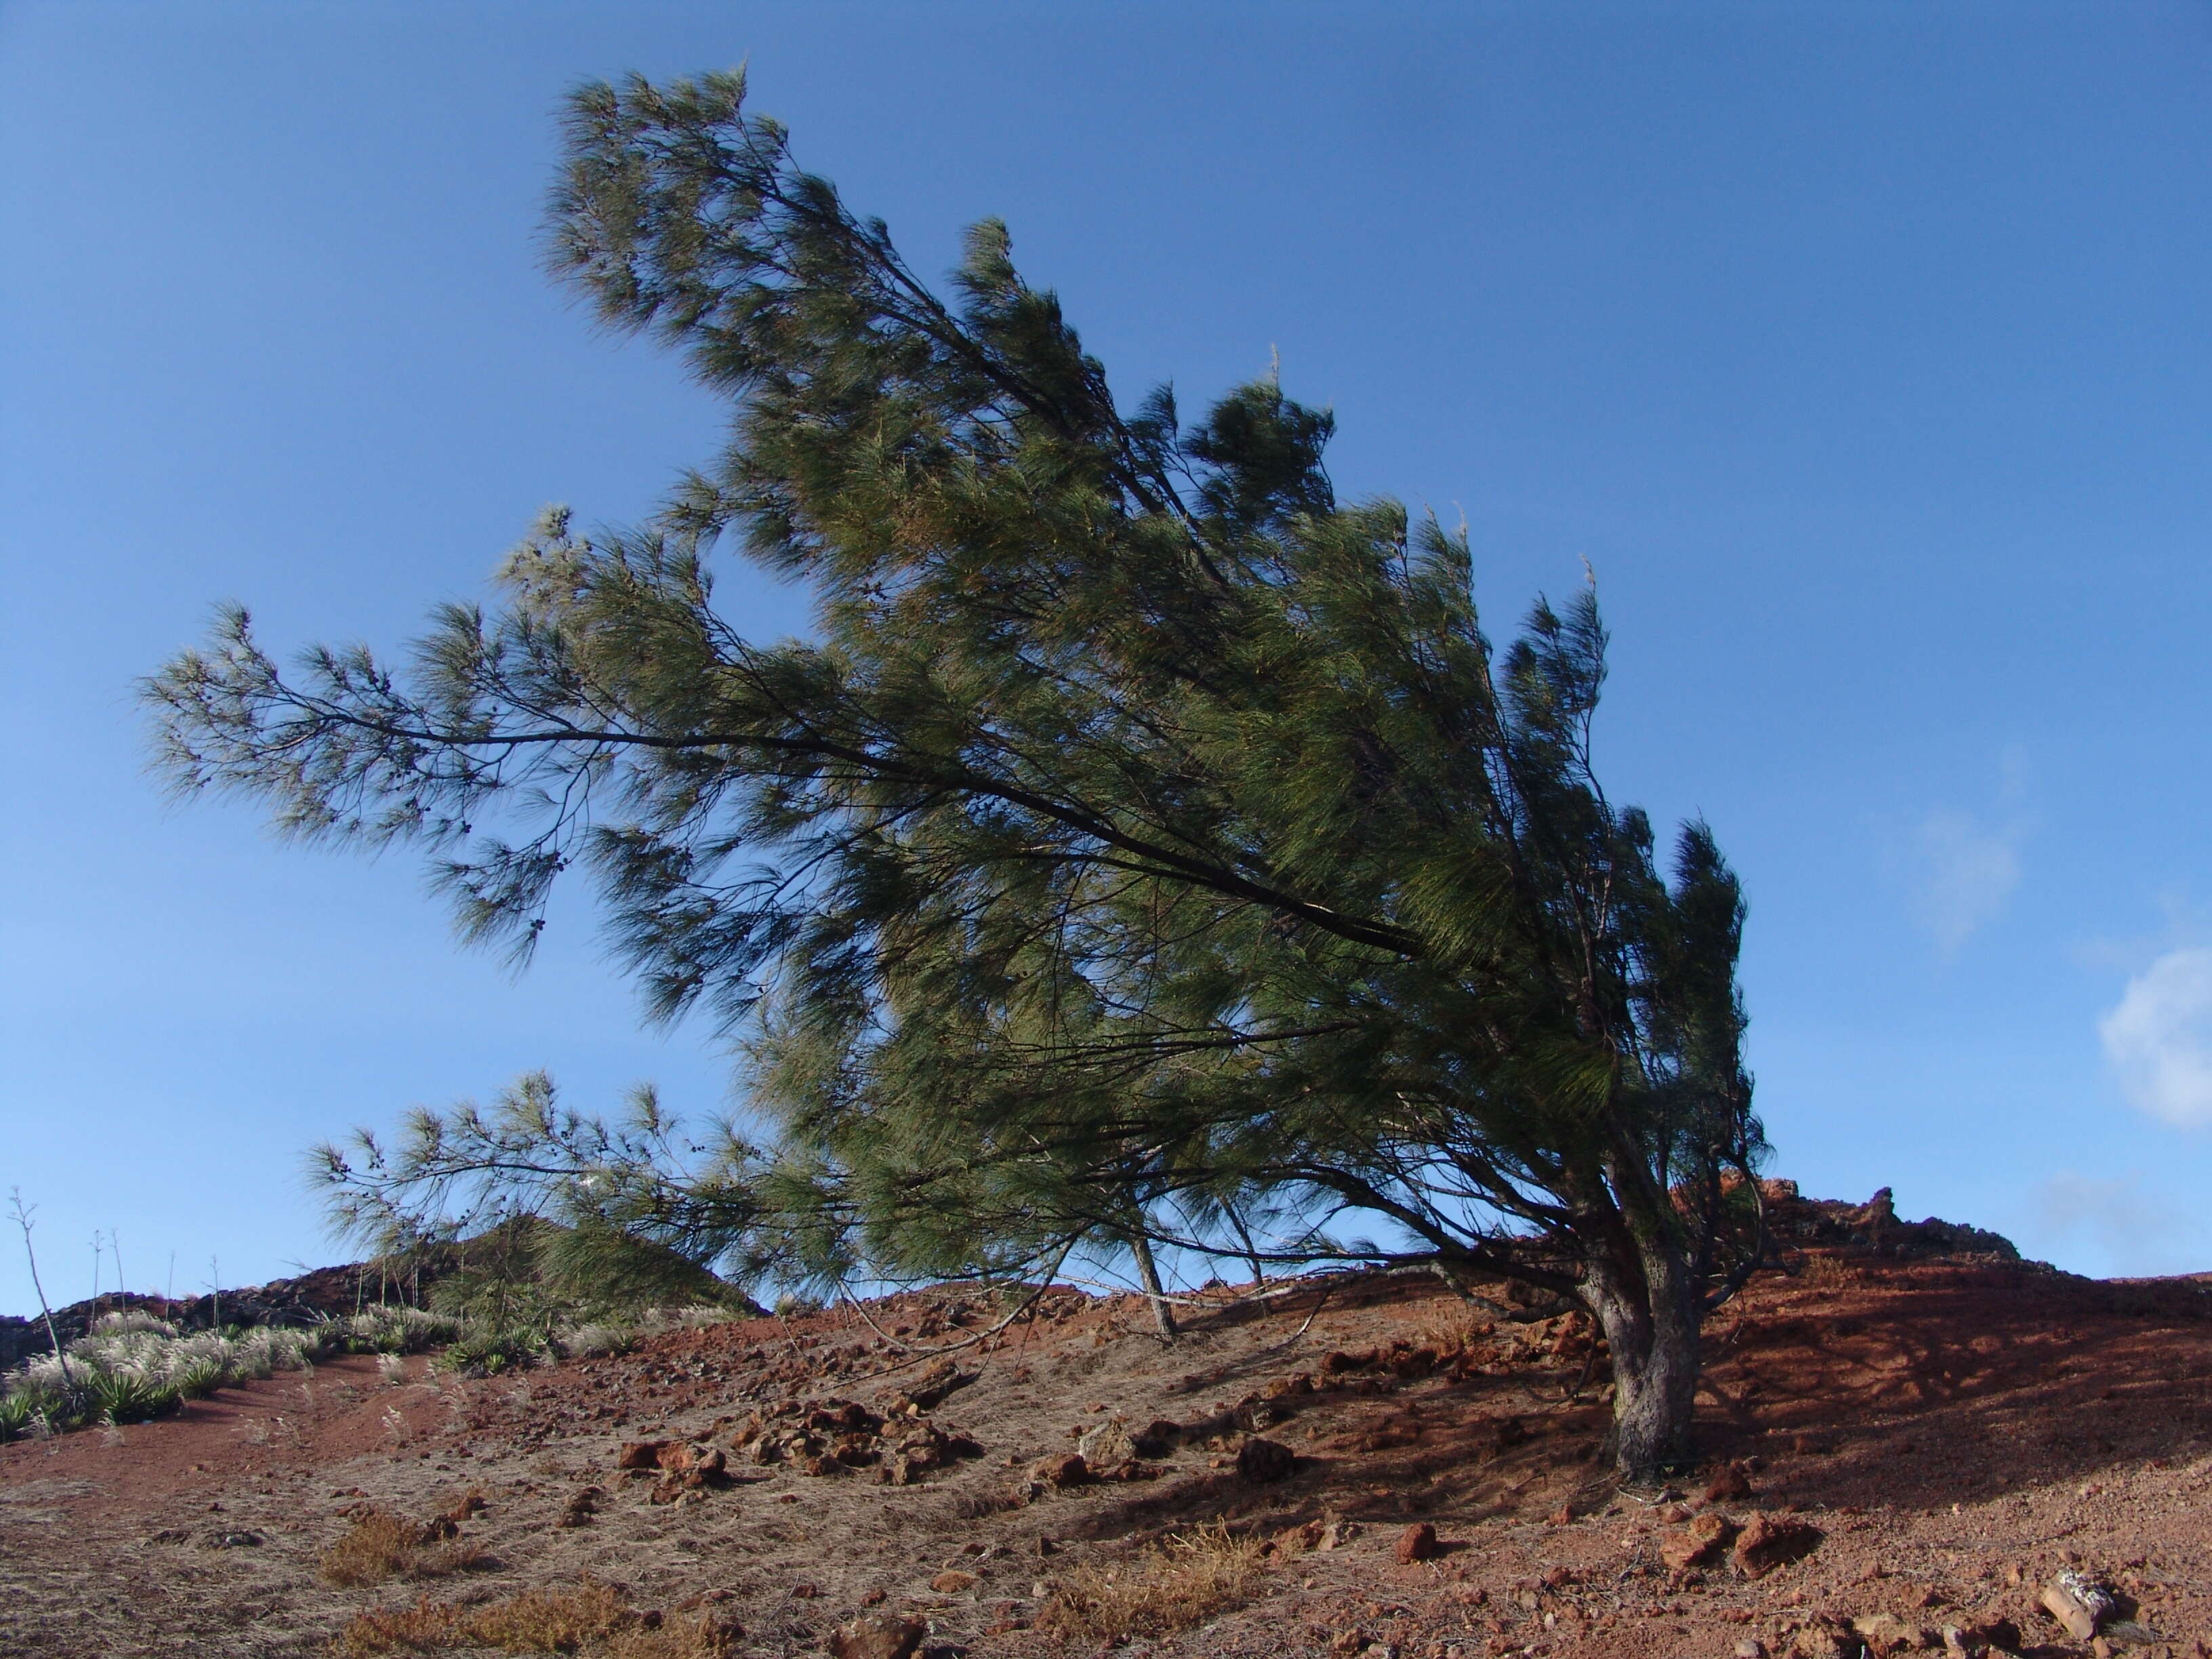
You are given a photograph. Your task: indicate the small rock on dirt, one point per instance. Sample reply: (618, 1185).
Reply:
(1884, 1633)
(1730, 1485)
(1699, 1544)
(1417, 1543)
(1826, 1638)
(1106, 1445)
(1263, 1460)
(876, 1636)
(1976, 1641)
(580, 1508)
(1768, 1541)
(2079, 1602)
(1059, 1472)
(952, 1583)
(640, 1455)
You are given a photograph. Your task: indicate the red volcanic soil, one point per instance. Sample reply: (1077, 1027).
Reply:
(1939, 1434)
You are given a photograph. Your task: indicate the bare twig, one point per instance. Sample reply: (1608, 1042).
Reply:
(921, 1353)
(21, 1214)
(1290, 1341)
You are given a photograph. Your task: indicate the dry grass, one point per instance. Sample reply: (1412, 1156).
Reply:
(1456, 1327)
(593, 1619)
(381, 1545)
(1185, 1582)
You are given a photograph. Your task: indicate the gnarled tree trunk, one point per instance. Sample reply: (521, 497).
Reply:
(1647, 1304)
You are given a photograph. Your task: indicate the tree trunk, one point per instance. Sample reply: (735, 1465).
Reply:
(1648, 1308)
(1148, 1274)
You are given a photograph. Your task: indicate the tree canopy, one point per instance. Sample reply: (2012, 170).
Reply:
(1149, 846)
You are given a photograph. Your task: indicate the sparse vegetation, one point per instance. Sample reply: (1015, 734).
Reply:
(1184, 1581)
(379, 1546)
(132, 1367)
(592, 1618)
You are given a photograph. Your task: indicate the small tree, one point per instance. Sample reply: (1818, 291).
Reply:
(1149, 846)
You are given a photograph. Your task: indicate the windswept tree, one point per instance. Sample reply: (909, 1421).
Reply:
(1148, 846)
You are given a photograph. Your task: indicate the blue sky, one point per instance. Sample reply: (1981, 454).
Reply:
(1861, 349)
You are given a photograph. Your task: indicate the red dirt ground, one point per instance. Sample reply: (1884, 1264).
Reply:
(1956, 1430)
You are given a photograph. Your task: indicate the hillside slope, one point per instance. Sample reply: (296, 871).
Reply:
(1939, 1427)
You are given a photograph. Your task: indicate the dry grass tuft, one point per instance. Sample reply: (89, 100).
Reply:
(1450, 1331)
(381, 1545)
(593, 1619)
(705, 1637)
(1185, 1582)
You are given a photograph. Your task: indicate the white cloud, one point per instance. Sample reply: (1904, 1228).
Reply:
(2160, 1038)
(1965, 875)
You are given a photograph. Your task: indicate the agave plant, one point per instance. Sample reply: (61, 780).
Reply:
(129, 1396)
(16, 1412)
(195, 1378)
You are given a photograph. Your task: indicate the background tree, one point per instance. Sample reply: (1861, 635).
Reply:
(1148, 843)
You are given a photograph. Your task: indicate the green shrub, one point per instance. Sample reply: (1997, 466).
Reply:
(16, 1410)
(197, 1378)
(487, 1354)
(119, 1397)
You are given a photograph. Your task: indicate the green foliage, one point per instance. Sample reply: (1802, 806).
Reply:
(17, 1410)
(1149, 845)
(119, 1397)
(197, 1379)
(487, 1353)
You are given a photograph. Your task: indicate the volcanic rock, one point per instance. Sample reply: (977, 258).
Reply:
(1699, 1544)
(1061, 1471)
(1107, 1444)
(640, 1455)
(876, 1636)
(1768, 1541)
(1264, 1460)
(1417, 1543)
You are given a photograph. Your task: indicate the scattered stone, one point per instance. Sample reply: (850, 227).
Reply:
(1158, 1438)
(472, 1505)
(1417, 1543)
(953, 1583)
(912, 1448)
(2079, 1602)
(1751, 1648)
(877, 1636)
(1265, 1461)
(1700, 1544)
(1827, 1637)
(640, 1455)
(1884, 1633)
(1768, 1541)
(1061, 1471)
(1976, 1641)
(1730, 1485)
(238, 1540)
(580, 1508)
(937, 1381)
(1107, 1444)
